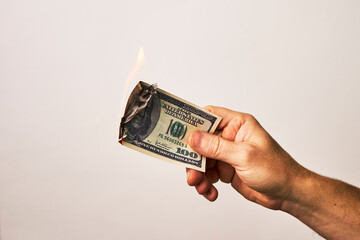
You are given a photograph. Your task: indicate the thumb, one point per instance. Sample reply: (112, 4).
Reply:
(212, 146)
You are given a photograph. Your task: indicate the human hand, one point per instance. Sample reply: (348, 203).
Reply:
(246, 156)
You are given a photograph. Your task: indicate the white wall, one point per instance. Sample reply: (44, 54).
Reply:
(295, 65)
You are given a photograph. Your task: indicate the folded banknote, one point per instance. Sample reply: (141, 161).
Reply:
(158, 124)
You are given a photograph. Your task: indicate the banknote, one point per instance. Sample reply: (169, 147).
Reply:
(158, 124)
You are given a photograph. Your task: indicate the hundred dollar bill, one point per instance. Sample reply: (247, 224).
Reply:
(158, 124)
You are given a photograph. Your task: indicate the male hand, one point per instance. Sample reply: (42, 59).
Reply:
(246, 156)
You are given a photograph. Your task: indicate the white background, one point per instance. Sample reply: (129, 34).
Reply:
(295, 65)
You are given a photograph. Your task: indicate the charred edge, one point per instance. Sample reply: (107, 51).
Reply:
(138, 100)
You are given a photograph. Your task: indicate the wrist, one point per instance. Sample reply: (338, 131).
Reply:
(326, 205)
(300, 199)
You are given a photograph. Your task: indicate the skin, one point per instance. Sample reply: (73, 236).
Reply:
(246, 156)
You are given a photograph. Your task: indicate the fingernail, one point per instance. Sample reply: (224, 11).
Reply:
(188, 173)
(195, 139)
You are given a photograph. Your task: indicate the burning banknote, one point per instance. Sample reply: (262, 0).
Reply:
(158, 124)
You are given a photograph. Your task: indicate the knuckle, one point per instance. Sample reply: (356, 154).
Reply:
(226, 172)
(202, 189)
(215, 146)
(225, 179)
(192, 181)
(253, 120)
(210, 108)
(250, 116)
(249, 152)
(212, 175)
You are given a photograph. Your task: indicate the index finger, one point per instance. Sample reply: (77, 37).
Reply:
(193, 177)
(227, 115)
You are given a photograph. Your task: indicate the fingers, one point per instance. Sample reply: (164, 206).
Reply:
(215, 147)
(193, 177)
(211, 172)
(210, 163)
(243, 189)
(202, 184)
(212, 194)
(198, 179)
(212, 175)
(227, 115)
(232, 122)
(226, 172)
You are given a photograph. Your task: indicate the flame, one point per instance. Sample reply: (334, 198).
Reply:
(132, 74)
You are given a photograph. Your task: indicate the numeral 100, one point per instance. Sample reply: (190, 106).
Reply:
(187, 153)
